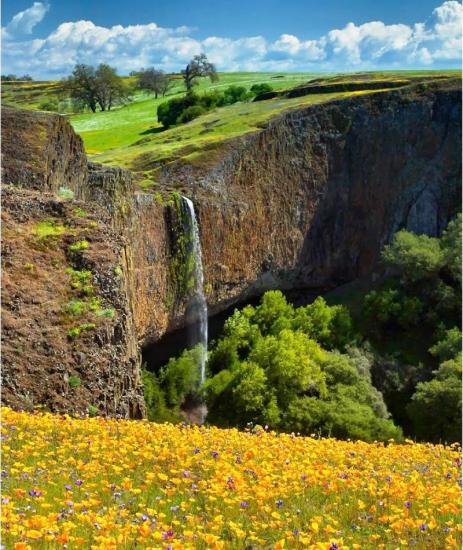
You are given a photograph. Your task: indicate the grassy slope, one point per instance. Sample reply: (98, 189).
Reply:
(136, 119)
(130, 135)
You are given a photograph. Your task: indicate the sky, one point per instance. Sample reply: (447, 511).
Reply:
(47, 38)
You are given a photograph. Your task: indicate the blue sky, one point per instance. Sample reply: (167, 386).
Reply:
(47, 38)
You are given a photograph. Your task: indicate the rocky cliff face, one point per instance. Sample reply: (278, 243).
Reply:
(307, 202)
(68, 339)
(41, 151)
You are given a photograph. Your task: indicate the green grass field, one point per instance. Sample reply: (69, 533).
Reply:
(130, 135)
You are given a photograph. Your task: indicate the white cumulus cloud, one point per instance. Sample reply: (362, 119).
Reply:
(24, 21)
(436, 42)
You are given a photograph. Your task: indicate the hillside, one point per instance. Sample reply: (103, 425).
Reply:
(103, 484)
(130, 136)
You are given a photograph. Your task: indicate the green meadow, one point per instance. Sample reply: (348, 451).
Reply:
(130, 135)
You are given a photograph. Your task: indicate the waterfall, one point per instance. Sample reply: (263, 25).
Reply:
(199, 298)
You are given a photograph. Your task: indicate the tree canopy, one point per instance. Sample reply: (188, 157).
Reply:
(91, 87)
(198, 67)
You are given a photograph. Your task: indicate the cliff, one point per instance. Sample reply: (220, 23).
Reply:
(305, 203)
(309, 201)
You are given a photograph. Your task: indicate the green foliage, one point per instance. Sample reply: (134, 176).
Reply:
(76, 308)
(170, 111)
(190, 113)
(417, 256)
(78, 246)
(156, 408)
(74, 381)
(75, 332)
(449, 346)
(79, 279)
(263, 88)
(92, 410)
(185, 109)
(233, 94)
(279, 365)
(108, 313)
(435, 408)
(49, 229)
(48, 105)
(180, 377)
(418, 307)
(79, 212)
(65, 193)
(427, 289)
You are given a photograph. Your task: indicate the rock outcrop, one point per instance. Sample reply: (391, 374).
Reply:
(41, 151)
(307, 202)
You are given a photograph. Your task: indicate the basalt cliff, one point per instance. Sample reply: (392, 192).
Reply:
(306, 203)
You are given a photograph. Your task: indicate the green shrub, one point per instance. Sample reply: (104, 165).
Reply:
(79, 212)
(75, 332)
(257, 89)
(191, 113)
(92, 410)
(65, 193)
(74, 381)
(156, 409)
(435, 408)
(49, 229)
(78, 246)
(76, 308)
(279, 365)
(108, 313)
(49, 105)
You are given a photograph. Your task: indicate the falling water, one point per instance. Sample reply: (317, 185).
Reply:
(199, 298)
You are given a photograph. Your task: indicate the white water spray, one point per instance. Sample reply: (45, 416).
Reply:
(199, 296)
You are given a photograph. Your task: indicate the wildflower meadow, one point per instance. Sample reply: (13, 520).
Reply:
(105, 483)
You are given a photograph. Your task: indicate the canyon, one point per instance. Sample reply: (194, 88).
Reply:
(304, 204)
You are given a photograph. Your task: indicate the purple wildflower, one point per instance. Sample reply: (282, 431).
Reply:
(244, 504)
(68, 487)
(145, 517)
(174, 509)
(35, 493)
(186, 473)
(197, 450)
(168, 534)
(408, 504)
(215, 454)
(79, 482)
(334, 546)
(296, 532)
(279, 503)
(423, 527)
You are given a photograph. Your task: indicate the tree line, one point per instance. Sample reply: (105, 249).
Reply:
(102, 88)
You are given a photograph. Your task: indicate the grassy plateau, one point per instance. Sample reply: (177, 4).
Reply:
(130, 135)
